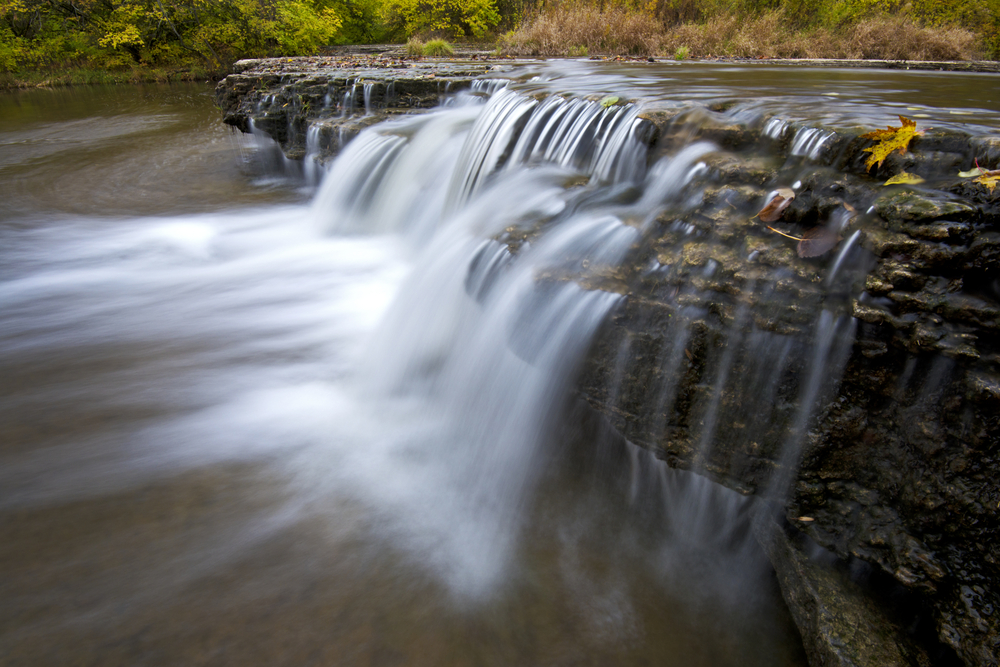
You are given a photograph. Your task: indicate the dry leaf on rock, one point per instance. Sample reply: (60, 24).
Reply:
(904, 178)
(977, 171)
(776, 205)
(989, 179)
(890, 140)
(817, 241)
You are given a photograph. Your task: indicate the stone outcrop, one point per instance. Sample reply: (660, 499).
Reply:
(862, 382)
(283, 97)
(857, 386)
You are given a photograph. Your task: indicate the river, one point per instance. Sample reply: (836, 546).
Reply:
(235, 430)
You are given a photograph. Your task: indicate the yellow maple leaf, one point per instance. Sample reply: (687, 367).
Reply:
(989, 179)
(889, 140)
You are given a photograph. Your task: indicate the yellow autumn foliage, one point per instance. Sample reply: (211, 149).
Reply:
(890, 140)
(989, 179)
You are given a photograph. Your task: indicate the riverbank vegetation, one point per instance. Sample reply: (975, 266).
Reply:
(763, 29)
(66, 41)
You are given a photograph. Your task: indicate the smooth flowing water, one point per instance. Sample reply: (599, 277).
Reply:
(243, 422)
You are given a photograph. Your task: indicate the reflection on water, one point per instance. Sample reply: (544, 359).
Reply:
(112, 151)
(227, 437)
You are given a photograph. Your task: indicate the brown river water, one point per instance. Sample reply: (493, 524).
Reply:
(232, 436)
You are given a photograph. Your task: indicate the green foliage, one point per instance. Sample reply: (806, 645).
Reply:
(439, 48)
(681, 53)
(362, 22)
(450, 18)
(122, 33)
(578, 52)
(513, 12)
(302, 28)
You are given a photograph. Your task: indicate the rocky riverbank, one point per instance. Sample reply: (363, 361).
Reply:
(873, 445)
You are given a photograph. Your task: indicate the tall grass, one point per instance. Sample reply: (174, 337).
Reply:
(620, 30)
(617, 30)
(438, 48)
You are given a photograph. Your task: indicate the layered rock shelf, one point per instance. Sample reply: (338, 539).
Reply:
(893, 468)
(873, 444)
(338, 97)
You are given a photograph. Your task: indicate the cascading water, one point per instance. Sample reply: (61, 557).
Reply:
(384, 376)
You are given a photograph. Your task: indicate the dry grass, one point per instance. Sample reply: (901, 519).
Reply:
(901, 39)
(615, 31)
(619, 31)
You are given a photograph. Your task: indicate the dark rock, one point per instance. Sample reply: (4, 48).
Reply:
(896, 455)
(902, 207)
(282, 97)
(841, 623)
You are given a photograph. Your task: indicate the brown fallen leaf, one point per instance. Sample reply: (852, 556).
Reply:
(817, 241)
(776, 205)
(806, 518)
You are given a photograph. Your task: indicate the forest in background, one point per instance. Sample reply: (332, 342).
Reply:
(204, 37)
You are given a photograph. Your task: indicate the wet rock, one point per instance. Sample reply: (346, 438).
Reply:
(283, 97)
(902, 207)
(898, 460)
(841, 624)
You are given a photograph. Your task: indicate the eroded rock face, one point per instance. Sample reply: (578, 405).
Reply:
(863, 383)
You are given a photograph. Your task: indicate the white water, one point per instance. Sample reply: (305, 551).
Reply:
(380, 364)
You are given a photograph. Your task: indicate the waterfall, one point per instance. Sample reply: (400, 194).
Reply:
(490, 329)
(392, 378)
(474, 336)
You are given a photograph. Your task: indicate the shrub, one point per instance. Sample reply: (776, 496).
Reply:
(414, 48)
(439, 48)
(681, 53)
